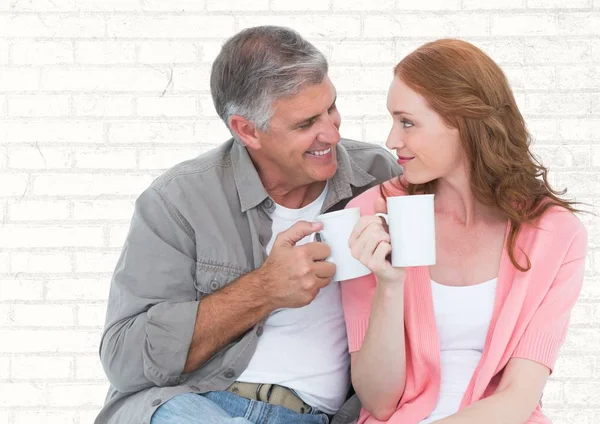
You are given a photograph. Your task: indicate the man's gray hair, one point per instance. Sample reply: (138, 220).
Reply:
(259, 65)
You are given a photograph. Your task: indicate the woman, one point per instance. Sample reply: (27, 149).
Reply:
(474, 337)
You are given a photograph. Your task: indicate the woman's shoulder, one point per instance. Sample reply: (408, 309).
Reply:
(560, 225)
(366, 200)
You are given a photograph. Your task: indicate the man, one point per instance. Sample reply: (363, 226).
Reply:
(219, 309)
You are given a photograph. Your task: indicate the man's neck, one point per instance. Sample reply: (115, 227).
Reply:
(298, 197)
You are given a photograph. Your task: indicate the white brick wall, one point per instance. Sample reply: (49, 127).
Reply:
(98, 97)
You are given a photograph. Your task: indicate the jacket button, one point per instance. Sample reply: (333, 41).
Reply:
(268, 203)
(260, 330)
(229, 373)
(156, 402)
(214, 284)
(195, 388)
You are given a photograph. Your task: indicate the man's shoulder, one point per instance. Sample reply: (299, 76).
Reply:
(372, 158)
(206, 166)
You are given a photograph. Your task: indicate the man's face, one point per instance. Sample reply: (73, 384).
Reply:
(298, 148)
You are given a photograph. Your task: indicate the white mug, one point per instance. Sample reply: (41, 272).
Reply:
(337, 227)
(411, 224)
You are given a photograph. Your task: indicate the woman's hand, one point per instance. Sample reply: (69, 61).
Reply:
(370, 243)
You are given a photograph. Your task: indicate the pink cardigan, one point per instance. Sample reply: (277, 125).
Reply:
(530, 317)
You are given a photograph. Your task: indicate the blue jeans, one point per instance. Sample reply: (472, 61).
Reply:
(228, 408)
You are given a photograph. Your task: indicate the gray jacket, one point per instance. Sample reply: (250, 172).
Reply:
(199, 226)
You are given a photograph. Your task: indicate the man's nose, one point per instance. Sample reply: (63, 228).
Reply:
(329, 132)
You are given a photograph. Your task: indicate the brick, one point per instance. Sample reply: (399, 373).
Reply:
(13, 184)
(559, 4)
(191, 79)
(430, 5)
(236, 5)
(105, 158)
(106, 5)
(167, 106)
(581, 314)
(536, 50)
(22, 394)
(51, 26)
(376, 52)
(209, 51)
(4, 371)
(39, 157)
(4, 269)
(51, 132)
(87, 416)
(582, 128)
(362, 105)
(553, 392)
(105, 52)
(25, 236)
(6, 315)
(569, 367)
(89, 368)
(43, 315)
(174, 5)
(42, 367)
(211, 131)
(579, 77)
(579, 24)
(38, 105)
(193, 26)
(419, 25)
(96, 262)
(38, 210)
(109, 79)
(49, 341)
(91, 315)
(352, 129)
(591, 288)
(559, 103)
(170, 52)
(41, 53)
(531, 77)
(163, 158)
(47, 417)
(313, 5)
(377, 130)
(378, 5)
(40, 262)
(42, 5)
(87, 289)
(310, 26)
(102, 105)
(363, 78)
(582, 339)
(484, 4)
(117, 236)
(596, 155)
(5, 416)
(76, 394)
(564, 156)
(18, 289)
(582, 393)
(4, 51)
(524, 24)
(570, 416)
(89, 184)
(152, 132)
(103, 209)
(3, 108)
(13, 79)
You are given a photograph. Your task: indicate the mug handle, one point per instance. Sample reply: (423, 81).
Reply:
(384, 216)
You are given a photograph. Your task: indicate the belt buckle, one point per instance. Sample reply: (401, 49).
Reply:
(258, 394)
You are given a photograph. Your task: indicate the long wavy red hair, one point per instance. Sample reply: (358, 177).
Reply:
(471, 93)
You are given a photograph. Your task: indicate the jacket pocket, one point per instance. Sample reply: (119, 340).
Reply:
(212, 276)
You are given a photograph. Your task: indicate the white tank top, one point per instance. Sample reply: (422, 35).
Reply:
(462, 316)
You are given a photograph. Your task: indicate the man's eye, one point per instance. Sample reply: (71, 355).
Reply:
(306, 125)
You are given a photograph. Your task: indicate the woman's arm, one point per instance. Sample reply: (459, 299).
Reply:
(515, 399)
(379, 367)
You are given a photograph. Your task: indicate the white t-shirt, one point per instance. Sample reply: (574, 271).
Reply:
(305, 349)
(462, 316)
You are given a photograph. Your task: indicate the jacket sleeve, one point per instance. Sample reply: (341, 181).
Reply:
(152, 303)
(547, 329)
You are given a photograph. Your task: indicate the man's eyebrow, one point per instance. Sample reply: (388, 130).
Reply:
(307, 120)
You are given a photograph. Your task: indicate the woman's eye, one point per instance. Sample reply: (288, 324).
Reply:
(406, 123)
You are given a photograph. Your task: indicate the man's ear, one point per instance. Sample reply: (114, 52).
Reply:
(246, 131)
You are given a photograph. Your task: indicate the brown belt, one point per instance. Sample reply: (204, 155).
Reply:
(271, 394)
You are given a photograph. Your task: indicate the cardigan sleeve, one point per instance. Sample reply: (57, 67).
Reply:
(547, 329)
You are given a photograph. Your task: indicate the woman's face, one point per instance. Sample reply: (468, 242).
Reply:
(426, 147)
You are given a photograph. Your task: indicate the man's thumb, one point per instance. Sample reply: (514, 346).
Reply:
(297, 232)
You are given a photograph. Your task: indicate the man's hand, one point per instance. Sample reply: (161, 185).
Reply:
(293, 275)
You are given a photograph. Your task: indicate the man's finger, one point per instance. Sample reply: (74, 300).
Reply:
(324, 269)
(297, 232)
